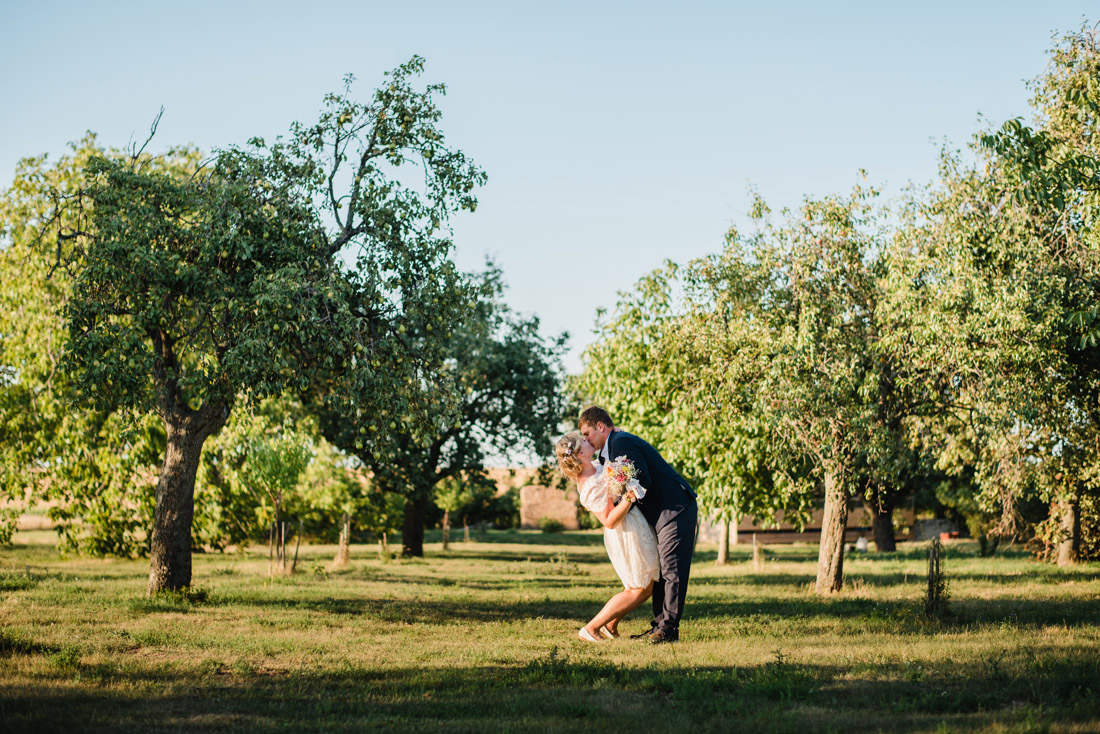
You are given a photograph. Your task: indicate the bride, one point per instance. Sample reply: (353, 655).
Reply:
(630, 541)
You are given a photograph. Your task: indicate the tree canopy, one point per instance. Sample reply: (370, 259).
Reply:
(196, 286)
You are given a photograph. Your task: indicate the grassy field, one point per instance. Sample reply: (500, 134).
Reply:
(482, 638)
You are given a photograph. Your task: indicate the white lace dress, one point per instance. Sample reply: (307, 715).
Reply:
(632, 546)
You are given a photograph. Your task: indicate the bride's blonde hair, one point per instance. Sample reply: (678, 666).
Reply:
(566, 451)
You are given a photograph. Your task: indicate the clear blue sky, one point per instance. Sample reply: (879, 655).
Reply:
(615, 135)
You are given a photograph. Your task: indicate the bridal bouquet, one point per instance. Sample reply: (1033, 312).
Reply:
(621, 476)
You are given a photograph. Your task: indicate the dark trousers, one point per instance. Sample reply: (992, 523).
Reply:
(675, 544)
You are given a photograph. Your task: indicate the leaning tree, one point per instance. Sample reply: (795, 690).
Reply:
(94, 468)
(269, 268)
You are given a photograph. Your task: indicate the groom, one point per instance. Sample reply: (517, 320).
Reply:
(669, 506)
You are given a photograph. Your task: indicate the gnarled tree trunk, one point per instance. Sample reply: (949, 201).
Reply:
(830, 558)
(170, 543)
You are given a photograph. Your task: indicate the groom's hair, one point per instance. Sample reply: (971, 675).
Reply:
(593, 415)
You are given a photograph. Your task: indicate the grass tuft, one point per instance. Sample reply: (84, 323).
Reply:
(184, 600)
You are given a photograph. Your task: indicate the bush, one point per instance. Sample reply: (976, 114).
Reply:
(503, 511)
(550, 525)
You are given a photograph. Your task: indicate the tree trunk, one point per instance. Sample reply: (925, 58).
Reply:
(724, 543)
(734, 522)
(282, 548)
(1070, 544)
(271, 550)
(465, 530)
(446, 527)
(882, 525)
(297, 545)
(830, 558)
(170, 544)
(343, 550)
(412, 534)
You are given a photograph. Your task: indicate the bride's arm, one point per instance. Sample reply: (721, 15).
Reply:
(613, 514)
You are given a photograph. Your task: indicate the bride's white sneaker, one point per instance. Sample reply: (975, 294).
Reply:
(608, 633)
(587, 636)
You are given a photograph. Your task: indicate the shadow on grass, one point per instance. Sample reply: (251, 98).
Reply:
(871, 578)
(520, 537)
(745, 614)
(553, 692)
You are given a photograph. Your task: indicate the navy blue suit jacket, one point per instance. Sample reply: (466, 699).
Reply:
(667, 493)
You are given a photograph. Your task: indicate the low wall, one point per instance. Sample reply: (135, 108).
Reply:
(537, 503)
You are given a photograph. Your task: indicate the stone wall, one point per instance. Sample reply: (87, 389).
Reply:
(537, 503)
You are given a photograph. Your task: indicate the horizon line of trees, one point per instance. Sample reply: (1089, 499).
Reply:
(945, 345)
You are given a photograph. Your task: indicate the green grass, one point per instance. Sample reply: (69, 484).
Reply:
(482, 638)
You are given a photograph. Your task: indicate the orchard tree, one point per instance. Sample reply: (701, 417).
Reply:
(194, 292)
(509, 400)
(793, 311)
(658, 370)
(335, 494)
(994, 279)
(249, 476)
(95, 467)
(464, 496)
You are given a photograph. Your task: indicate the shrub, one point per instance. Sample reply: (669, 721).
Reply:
(550, 525)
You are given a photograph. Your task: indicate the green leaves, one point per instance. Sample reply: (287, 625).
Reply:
(498, 395)
(1086, 321)
(190, 286)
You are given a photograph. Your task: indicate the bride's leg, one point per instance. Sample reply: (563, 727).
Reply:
(640, 598)
(617, 607)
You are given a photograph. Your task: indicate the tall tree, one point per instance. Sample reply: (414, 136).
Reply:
(509, 402)
(994, 280)
(86, 461)
(191, 292)
(794, 311)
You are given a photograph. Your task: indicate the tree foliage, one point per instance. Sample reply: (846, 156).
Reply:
(509, 402)
(88, 463)
(993, 278)
(660, 373)
(194, 287)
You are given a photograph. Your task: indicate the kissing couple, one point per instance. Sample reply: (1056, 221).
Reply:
(649, 514)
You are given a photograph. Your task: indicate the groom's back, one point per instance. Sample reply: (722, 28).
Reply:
(666, 489)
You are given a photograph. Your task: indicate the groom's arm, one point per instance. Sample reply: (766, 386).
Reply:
(628, 447)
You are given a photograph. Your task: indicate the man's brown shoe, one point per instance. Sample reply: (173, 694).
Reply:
(660, 636)
(644, 635)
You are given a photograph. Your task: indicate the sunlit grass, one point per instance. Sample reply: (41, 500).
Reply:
(483, 638)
